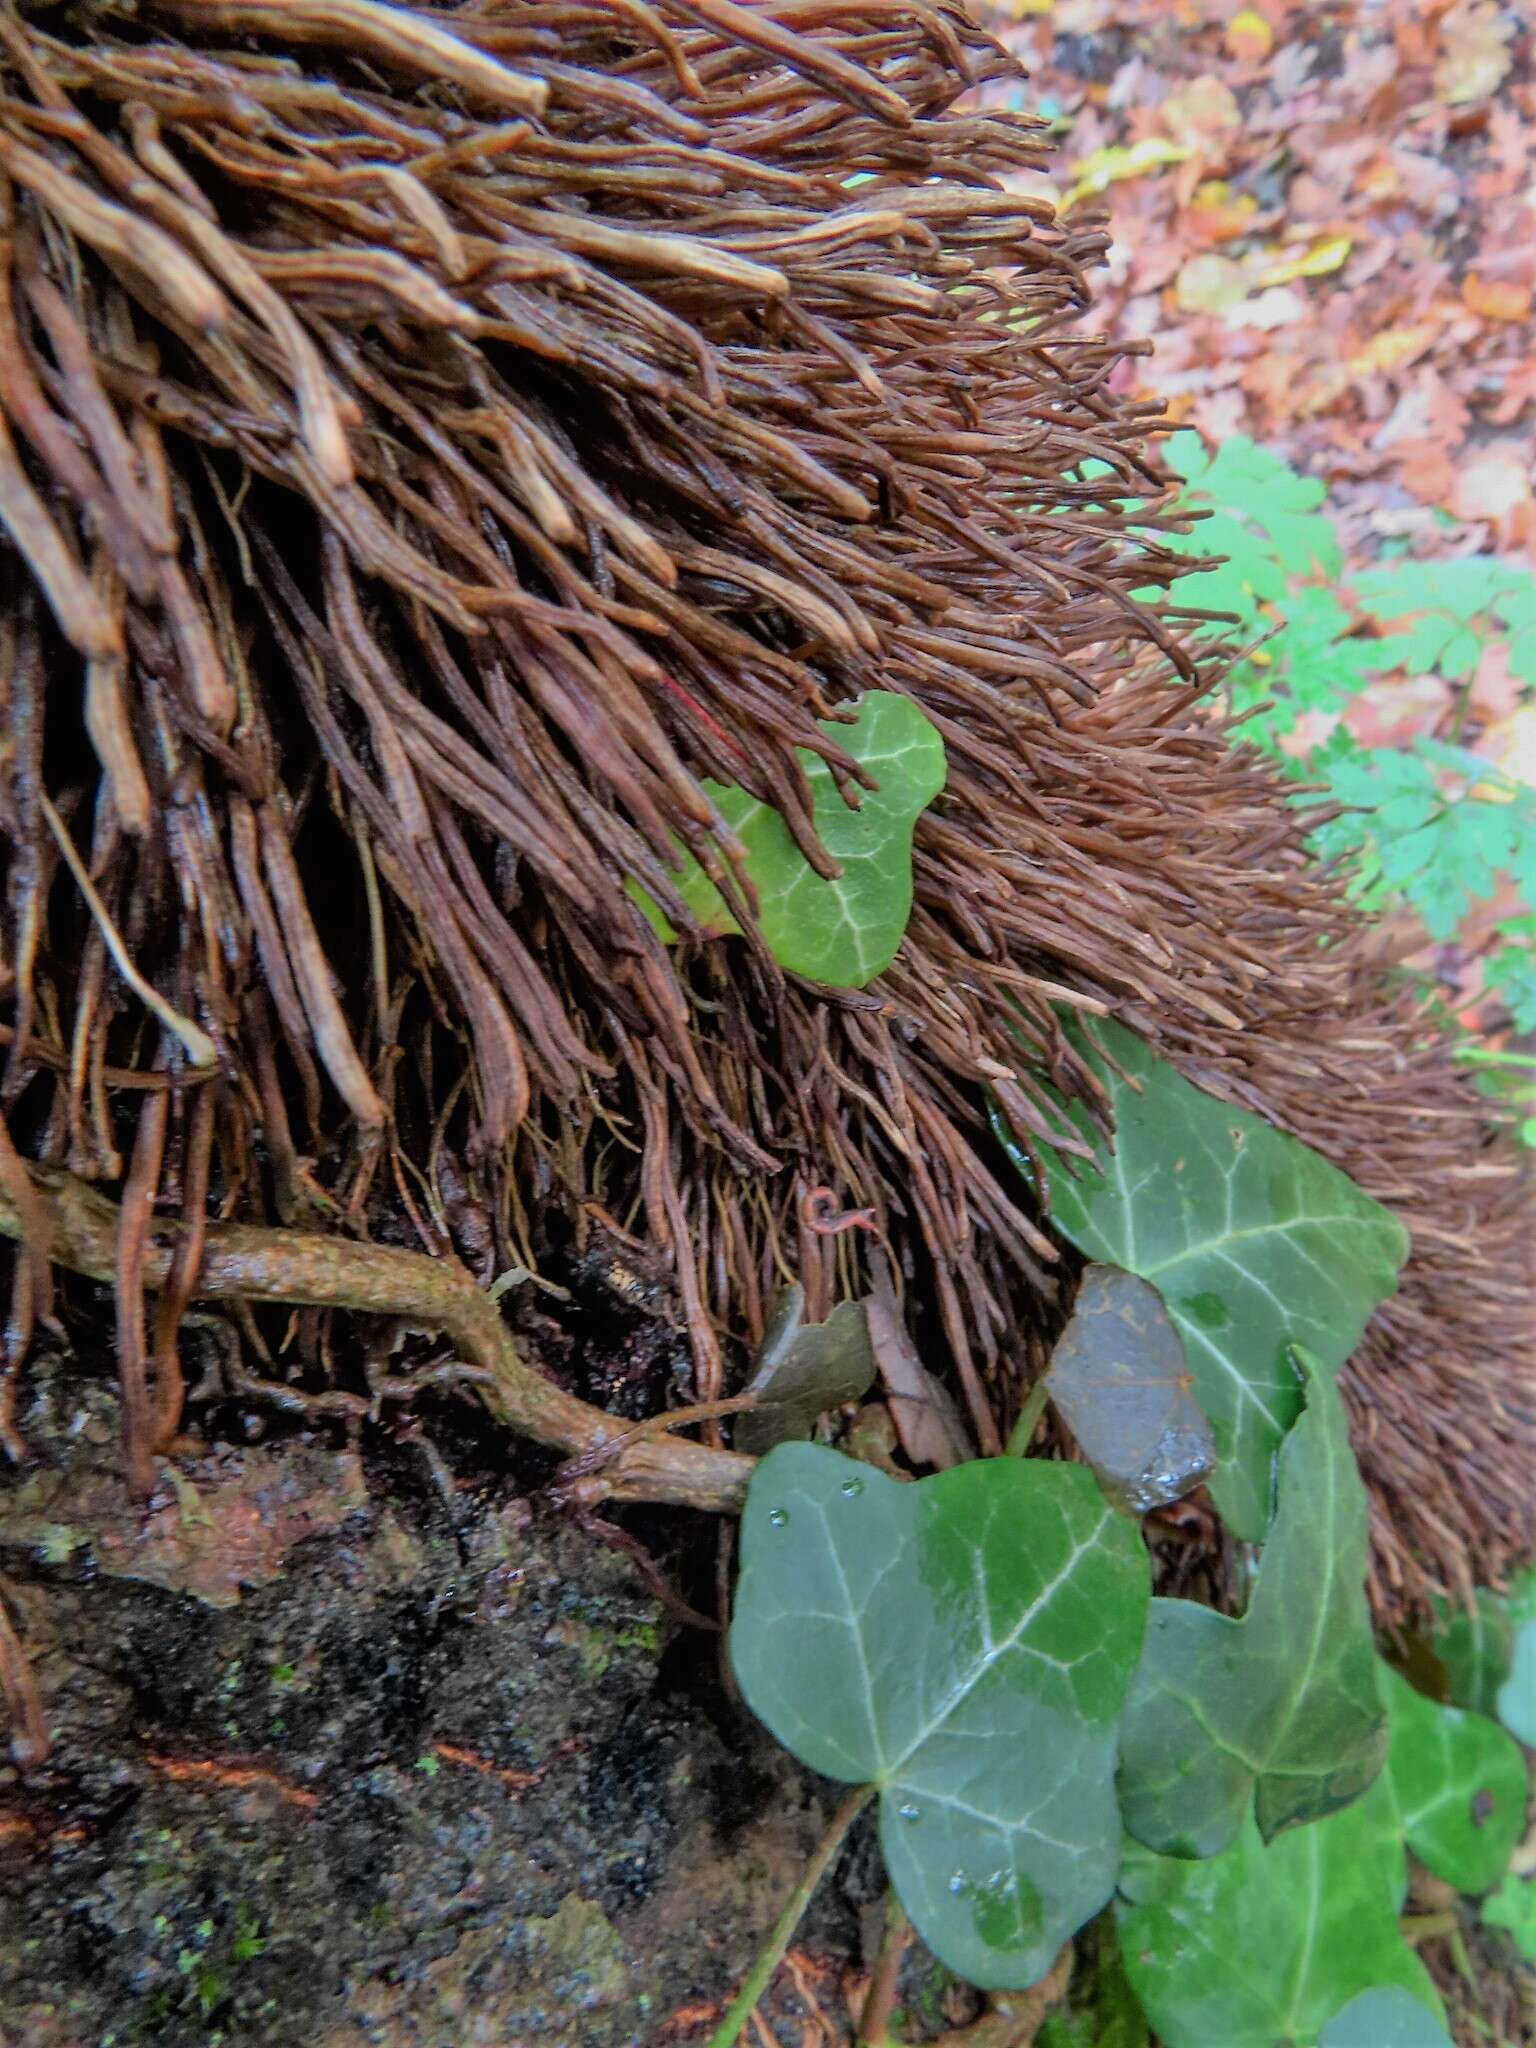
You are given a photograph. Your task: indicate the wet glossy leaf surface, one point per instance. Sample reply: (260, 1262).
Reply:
(1254, 1242)
(965, 1643)
(802, 1370)
(1386, 2018)
(1264, 1945)
(1121, 1383)
(1279, 1709)
(1460, 1783)
(842, 932)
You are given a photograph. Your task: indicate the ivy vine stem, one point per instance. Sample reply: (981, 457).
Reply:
(875, 2020)
(772, 1953)
(1024, 1429)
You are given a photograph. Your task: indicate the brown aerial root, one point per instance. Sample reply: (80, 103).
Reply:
(84, 1233)
(435, 443)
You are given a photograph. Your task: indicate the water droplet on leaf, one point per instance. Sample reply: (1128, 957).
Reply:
(852, 1488)
(777, 1518)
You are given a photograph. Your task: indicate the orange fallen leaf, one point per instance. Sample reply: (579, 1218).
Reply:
(1218, 214)
(1495, 298)
(1249, 37)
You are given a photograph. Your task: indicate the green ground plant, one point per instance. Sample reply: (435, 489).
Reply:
(1429, 824)
(978, 1652)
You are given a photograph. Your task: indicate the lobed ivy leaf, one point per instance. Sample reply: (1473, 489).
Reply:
(1264, 1945)
(1253, 1240)
(1280, 1709)
(1120, 1382)
(1460, 1783)
(1384, 2018)
(841, 932)
(964, 1643)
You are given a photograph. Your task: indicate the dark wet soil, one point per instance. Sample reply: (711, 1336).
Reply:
(357, 1743)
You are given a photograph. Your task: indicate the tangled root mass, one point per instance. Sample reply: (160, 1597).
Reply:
(434, 440)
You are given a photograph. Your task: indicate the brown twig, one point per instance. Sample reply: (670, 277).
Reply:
(128, 1273)
(83, 1232)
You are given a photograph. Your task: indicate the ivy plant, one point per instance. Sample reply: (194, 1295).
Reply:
(1460, 1786)
(977, 1651)
(1265, 1944)
(1277, 1712)
(1489, 1655)
(1384, 2018)
(1253, 1240)
(1260, 1944)
(843, 931)
(963, 1644)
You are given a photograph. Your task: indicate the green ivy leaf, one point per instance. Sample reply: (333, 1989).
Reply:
(1460, 1784)
(964, 1643)
(1475, 1649)
(1386, 2018)
(1261, 1946)
(1279, 1709)
(847, 931)
(1253, 1240)
(1513, 1907)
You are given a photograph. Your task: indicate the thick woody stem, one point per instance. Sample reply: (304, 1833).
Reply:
(244, 1263)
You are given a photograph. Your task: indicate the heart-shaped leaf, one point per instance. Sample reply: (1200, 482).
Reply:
(842, 932)
(964, 1643)
(1460, 1784)
(1283, 1704)
(1386, 2018)
(802, 1370)
(1264, 1945)
(1253, 1240)
(1120, 1382)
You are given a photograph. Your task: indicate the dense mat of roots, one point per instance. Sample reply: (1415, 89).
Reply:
(427, 455)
